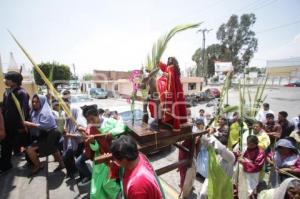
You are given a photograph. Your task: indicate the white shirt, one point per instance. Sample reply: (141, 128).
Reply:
(225, 157)
(295, 121)
(202, 118)
(261, 115)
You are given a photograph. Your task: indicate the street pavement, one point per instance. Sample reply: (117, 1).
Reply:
(49, 184)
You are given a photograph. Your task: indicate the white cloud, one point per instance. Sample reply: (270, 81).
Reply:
(291, 49)
(121, 50)
(111, 50)
(288, 50)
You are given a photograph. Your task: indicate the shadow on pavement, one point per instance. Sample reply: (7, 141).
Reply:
(55, 179)
(161, 153)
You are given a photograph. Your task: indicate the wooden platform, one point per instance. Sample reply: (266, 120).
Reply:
(143, 133)
(149, 140)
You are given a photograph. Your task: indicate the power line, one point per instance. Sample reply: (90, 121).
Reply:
(206, 9)
(277, 27)
(256, 5)
(265, 5)
(252, 4)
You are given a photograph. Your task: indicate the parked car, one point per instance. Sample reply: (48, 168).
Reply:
(191, 100)
(80, 98)
(98, 93)
(295, 84)
(213, 92)
(203, 96)
(127, 115)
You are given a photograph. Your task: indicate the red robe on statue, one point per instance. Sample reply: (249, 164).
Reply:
(173, 104)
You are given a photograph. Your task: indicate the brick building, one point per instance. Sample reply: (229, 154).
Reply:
(117, 83)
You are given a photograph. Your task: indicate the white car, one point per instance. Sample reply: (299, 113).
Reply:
(127, 115)
(79, 100)
(121, 106)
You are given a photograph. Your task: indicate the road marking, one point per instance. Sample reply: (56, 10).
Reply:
(170, 191)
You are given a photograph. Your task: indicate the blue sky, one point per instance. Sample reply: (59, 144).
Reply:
(118, 34)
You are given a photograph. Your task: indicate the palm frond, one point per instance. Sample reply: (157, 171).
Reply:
(241, 99)
(249, 120)
(18, 106)
(254, 107)
(230, 109)
(224, 90)
(263, 88)
(46, 80)
(51, 80)
(259, 99)
(250, 100)
(51, 74)
(160, 46)
(264, 98)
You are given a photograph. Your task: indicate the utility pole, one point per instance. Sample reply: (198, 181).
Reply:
(204, 72)
(74, 71)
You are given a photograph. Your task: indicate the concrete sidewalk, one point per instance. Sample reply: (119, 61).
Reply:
(16, 183)
(45, 185)
(48, 184)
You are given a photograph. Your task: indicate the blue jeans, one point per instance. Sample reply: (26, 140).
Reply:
(82, 166)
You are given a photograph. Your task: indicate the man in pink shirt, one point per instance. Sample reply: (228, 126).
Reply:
(137, 176)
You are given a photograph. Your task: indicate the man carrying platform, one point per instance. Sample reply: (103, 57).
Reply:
(137, 177)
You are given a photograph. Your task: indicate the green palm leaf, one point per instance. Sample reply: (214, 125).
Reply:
(51, 74)
(18, 106)
(259, 97)
(230, 109)
(46, 80)
(160, 46)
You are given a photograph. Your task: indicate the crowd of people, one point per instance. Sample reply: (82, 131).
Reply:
(44, 128)
(260, 159)
(247, 153)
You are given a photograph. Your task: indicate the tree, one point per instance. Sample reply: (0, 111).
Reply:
(87, 77)
(214, 52)
(55, 72)
(253, 69)
(198, 59)
(239, 40)
(190, 71)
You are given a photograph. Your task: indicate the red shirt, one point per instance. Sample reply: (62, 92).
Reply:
(104, 142)
(140, 182)
(255, 159)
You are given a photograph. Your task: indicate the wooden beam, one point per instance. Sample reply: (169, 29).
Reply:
(152, 146)
(173, 166)
(181, 147)
(103, 158)
(162, 142)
